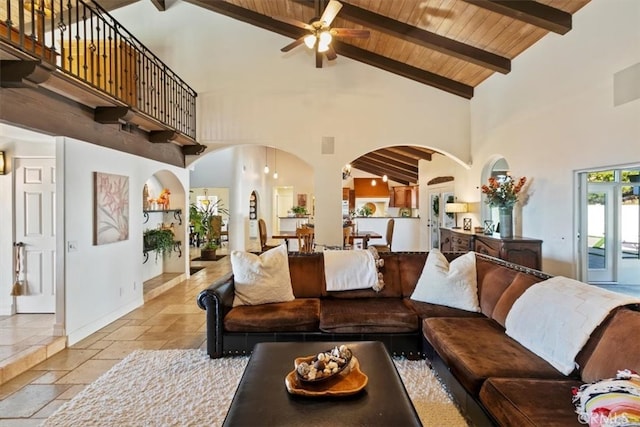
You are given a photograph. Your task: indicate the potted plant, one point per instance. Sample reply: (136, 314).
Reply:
(161, 240)
(364, 211)
(207, 224)
(299, 211)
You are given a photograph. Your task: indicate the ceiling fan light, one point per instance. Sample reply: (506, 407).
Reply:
(325, 38)
(310, 41)
(323, 47)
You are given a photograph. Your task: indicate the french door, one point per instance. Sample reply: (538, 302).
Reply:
(610, 226)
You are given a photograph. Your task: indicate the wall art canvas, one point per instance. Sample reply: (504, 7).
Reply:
(111, 208)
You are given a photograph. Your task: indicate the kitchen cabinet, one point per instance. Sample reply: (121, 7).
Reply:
(518, 250)
(350, 195)
(404, 197)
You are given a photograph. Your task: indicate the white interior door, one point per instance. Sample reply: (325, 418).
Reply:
(35, 190)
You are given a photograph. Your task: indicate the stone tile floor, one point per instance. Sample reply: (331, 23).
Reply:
(171, 320)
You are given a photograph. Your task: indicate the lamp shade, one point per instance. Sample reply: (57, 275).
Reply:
(455, 207)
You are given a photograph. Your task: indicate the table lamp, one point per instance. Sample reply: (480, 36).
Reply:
(455, 209)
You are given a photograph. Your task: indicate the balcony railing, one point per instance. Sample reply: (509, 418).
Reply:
(81, 39)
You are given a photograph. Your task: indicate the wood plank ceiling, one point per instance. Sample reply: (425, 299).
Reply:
(452, 45)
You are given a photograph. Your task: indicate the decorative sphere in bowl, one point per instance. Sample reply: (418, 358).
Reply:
(324, 365)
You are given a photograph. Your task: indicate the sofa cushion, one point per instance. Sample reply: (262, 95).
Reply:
(450, 284)
(521, 283)
(299, 315)
(392, 288)
(492, 281)
(260, 279)
(618, 348)
(477, 348)
(307, 274)
(379, 315)
(520, 402)
(408, 268)
(425, 309)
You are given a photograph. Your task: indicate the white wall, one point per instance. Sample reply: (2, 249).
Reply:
(554, 114)
(251, 93)
(102, 283)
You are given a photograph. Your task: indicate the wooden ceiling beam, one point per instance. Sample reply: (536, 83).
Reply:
(344, 49)
(379, 172)
(397, 156)
(404, 70)
(426, 155)
(372, 20)
(387, 168)
(373, 156)
(250, 17)
(531, 12)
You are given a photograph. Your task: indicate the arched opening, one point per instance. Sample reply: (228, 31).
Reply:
(165, 249)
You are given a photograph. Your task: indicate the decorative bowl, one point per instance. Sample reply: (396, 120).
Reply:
(324, 365)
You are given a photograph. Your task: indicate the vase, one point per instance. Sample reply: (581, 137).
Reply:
(506, 221)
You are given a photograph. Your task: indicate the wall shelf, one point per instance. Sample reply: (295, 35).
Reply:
(177, 214)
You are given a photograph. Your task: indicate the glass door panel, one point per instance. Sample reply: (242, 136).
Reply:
(600, 233)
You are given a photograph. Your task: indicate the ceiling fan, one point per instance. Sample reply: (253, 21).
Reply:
(320, 32)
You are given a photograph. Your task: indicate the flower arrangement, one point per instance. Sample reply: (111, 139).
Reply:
(163, 198)
(503, 192)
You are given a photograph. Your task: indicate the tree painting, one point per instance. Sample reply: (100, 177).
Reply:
(111, 208)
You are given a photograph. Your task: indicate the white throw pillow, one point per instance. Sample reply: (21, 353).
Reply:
(454, 285)
(261, 279)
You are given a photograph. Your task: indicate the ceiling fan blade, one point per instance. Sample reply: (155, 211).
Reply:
(294, 22)
(331, 53)
(293, 44)
(349, 32)
(330, 12)
(318, 59)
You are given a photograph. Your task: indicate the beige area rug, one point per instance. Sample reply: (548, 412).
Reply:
(187, 388)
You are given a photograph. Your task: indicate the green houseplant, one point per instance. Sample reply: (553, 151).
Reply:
(207, 225)
(161, 240)
(299, 210)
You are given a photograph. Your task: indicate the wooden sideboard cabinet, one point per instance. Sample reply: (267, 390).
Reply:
(518, 250)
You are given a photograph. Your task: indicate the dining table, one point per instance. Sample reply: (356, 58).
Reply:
(360, 234)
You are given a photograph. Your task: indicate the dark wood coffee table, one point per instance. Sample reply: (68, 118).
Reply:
(262, 398)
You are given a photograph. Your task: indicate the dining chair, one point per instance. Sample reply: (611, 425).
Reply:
(388, 237)
(347, 241)
(262, 229)
(305, 237)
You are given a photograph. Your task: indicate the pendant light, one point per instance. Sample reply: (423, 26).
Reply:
(266, 161)
(275, 163)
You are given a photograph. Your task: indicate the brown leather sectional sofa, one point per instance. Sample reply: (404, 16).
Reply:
(493, 378)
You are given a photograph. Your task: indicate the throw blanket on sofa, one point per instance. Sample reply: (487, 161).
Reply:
(347, 270)
(555, 318)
